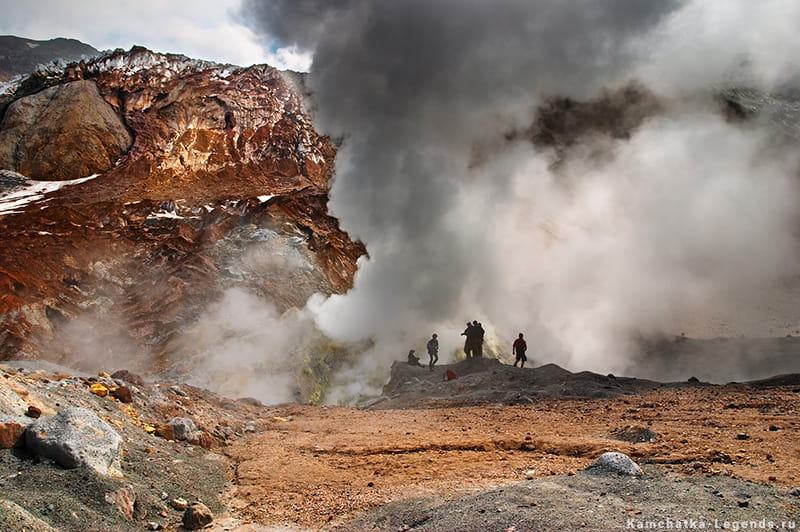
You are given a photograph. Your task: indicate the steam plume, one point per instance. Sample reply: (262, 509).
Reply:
(586, 246)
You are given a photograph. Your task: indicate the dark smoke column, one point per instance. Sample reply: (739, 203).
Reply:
(413, 86)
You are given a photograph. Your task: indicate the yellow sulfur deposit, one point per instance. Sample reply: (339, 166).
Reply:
(98, 389)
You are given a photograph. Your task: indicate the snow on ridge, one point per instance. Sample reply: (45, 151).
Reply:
(141, 59)
(12, 201)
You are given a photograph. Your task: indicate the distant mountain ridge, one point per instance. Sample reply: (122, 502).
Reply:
(19, 55)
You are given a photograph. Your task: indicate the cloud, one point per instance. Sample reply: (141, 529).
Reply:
(203, 29)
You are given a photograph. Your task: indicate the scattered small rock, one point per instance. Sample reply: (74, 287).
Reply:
(200, 438)
(123, 394)
(154, 526)
(179, 503)
(794, 491)
(250, 401)
(182, 426)
(196, 516)
(124, 499)
(34, 412)
(773, 428)
(613, 462)
(127, 376)
(165, 431)
(742, 436)
(743, 504)
(635, 435)
(177, 391)
(693, 379)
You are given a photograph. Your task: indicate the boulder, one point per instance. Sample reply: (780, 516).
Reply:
(122, 394)
(618, 463)
(75, 437)
(182, 426)
(12, 430)
(196, 516)
(63, 132)
(127, 376)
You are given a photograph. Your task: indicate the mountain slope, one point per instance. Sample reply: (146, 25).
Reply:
(19, 55)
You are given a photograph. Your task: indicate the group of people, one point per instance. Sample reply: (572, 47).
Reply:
(473, 347)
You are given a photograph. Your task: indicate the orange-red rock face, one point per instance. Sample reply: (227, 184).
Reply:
(221, 161)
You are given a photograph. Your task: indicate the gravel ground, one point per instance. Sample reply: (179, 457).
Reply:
(594, 502)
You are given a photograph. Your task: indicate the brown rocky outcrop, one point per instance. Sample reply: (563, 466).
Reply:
(63, 132)
(223, 184)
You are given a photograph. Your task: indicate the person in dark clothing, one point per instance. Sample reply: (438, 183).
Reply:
(468, 340)
(413, 360)
(479, 333)
(519, 349)
(433, 351)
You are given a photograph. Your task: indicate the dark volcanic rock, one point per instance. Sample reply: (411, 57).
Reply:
(21, 56)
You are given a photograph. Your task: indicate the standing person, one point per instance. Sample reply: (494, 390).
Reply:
(433, 351)
(479, 333)
(519, 349)
(468, 341)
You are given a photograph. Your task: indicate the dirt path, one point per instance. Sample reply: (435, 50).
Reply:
(317, 465)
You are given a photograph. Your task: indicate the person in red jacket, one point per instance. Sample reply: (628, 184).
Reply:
(519, 349)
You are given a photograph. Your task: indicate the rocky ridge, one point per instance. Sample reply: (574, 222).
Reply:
(192, 163)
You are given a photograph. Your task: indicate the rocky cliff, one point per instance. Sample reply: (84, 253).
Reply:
(134, 186)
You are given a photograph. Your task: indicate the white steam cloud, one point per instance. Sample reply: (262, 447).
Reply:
(688, 219)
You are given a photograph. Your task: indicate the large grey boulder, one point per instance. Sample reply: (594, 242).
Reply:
(75, 437)
(618, 463)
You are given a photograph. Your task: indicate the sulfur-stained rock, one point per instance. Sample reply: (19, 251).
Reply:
(75, 437)
(98, 389)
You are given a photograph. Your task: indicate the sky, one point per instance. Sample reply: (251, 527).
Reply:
(201, 29)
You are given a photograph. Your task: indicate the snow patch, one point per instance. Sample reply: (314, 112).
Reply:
(171, 215)
(264, 199)
(12, 201)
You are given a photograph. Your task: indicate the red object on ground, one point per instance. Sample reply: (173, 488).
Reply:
(450, 375)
